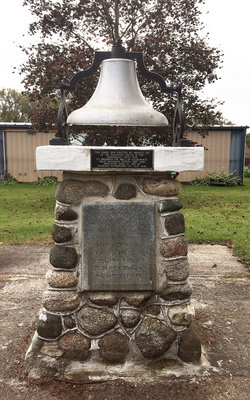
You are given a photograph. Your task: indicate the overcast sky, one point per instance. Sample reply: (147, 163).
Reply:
(227, 23)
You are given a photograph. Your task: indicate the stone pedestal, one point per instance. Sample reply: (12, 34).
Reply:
(118, 292)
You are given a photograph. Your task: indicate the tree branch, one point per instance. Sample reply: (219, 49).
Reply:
(133, 31)
(109, 20)
(116, 20)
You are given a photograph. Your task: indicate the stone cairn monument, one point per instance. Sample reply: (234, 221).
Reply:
(118, 297)
(118, 289)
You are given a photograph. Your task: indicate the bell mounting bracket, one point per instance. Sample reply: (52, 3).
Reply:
(118, 51)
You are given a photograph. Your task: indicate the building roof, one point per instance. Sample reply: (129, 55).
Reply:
(16, 125)
(221, 128)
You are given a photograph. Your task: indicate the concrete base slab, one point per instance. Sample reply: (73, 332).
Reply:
(94, 370)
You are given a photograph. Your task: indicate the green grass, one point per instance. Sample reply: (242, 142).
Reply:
(212, 214)
(26, 213)
(218, 215)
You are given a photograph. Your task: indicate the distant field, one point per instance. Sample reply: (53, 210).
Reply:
(212, 214)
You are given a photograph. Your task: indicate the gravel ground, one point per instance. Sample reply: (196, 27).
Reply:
(221, 299)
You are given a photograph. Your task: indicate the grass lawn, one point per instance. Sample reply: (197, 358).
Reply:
(26, 213)
(212, 214)
(219, 215)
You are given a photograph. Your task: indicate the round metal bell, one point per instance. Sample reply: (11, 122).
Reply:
(117, 99)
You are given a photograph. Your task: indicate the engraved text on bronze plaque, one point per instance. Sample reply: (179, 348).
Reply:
(118, 243)
(121, 159)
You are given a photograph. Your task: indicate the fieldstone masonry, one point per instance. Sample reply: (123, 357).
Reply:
(81, 320)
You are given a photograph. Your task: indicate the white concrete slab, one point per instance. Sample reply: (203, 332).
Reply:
(77, 158)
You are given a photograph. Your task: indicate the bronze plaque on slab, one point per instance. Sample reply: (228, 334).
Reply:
(121, 159)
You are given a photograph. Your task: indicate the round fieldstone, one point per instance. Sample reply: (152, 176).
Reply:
(49, 326)
(125, 191)
(153, 309)
(136, 298)
(161, 187)
(175, 224)
(63, 257)
(61, 233)
(176, 270)
(181, 319)
(190, 346)
(69, 322)
(177, 292)
(154, 338)
(72, 192)
(130, 318)
(61, 279)
(61, 301)
(95, 321)
(75, 346)
(114, 347)
(174, 247)
(65, 214)
(103, 298)
(169, 205)
(181, 315)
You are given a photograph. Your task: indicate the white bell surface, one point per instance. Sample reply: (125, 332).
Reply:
(117, 99)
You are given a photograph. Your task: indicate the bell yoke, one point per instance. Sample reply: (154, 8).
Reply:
(117, 99)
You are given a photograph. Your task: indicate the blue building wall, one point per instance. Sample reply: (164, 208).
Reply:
(3, 154)
(237, 152)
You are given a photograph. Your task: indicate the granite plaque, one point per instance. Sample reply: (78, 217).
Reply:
(118, 243)
(121, 159)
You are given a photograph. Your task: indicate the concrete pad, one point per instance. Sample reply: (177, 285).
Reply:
(24, 259)
(213, 260)
(222, 306)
